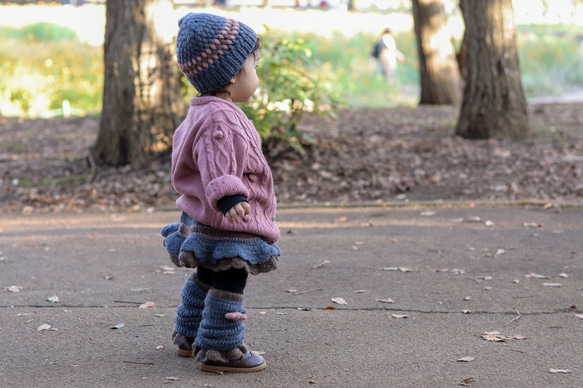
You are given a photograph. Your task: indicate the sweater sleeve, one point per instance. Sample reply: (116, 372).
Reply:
(221, 154)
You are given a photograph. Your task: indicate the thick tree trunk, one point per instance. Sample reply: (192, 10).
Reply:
(142, 101)
(440, 78)
(494, 105)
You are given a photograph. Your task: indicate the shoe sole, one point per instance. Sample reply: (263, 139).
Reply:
(223, 369)
(184, 353)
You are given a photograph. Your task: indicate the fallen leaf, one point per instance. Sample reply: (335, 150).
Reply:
(387, 300)
(402, 269)
(329, 308)
(474, 219)
(466, 382)
(338, 301)
(535, 276)
(148, 305)
(552, 285)
(53, 299)
(467, 298)
(563, 275)
(580, 316)
(400, 316)
(494, 336)
(172, 378)
(532, 225)
(466, 359)
(467, 311)
(14, 289)
(559, 370)
(46, 326)
(517, 337)
(359, 291)
(291, 290)
(322, 264)
(160, 348)
(427, 214)
(489, 223)
(118, 326)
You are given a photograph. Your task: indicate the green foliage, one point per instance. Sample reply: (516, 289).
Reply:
(289, 87)
(43, 65)
(347, 63)
(550, 62)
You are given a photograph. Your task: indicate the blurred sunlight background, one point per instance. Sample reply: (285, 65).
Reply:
(51, 54)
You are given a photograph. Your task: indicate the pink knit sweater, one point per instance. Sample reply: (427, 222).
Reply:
(217, 153)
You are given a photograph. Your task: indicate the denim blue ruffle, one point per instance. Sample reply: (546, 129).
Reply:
(210, 245)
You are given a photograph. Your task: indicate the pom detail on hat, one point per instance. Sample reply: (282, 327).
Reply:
(212, 49)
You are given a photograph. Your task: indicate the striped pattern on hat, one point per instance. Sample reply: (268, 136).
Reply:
(212, 49)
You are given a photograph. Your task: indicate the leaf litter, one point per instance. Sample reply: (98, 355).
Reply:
(46, 168)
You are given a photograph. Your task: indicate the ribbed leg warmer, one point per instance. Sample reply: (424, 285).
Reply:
(222, 331)
(189, 313)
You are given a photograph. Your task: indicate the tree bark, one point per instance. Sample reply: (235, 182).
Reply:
(440, 77)
(142, 99)
(493, 105)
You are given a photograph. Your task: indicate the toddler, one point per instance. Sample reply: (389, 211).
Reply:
(227, 227)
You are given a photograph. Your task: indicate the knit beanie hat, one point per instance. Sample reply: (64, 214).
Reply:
(212, 49)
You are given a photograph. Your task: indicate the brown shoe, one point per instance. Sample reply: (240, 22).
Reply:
(184, 344)
(250, 362)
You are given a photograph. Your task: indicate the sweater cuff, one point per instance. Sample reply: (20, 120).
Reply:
(226, 203)
(224, 186)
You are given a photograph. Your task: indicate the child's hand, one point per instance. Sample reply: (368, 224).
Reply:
(237, 212)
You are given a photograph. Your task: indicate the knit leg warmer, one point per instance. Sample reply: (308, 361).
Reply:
(189, 313)
(222, 331)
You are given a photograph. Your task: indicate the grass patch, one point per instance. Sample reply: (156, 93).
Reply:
(45, 65)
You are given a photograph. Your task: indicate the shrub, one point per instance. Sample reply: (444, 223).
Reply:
(43, 65)
(288, 89)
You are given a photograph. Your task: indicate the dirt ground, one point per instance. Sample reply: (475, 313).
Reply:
(365, 156)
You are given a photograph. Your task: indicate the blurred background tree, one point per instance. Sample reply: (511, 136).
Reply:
(142, 93)
(494, 105)
(438, 68)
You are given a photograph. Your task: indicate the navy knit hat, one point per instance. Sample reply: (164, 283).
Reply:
(212, 49)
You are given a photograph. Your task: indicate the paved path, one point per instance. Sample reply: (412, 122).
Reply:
(453, 276)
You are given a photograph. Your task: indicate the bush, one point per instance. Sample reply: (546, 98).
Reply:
(43, 65)
(288, 89)
(550, 63)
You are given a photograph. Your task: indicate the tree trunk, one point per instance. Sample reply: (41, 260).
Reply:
(494, 105)
(142, 99)
(440, 78)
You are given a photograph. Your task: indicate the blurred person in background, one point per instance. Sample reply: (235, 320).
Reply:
(386, 54)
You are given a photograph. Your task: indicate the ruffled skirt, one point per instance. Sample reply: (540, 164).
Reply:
(191, 244)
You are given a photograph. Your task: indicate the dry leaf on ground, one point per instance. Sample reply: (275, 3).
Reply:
(535, 276)
(339, 301)
(14, 289)
(552, 370)
(44, 327)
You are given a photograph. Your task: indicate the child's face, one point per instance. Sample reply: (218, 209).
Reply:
(246, 81)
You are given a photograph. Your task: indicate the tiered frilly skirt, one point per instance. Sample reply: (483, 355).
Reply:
(191, 244)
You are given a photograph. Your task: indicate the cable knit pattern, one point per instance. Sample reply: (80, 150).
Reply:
(217, 153)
